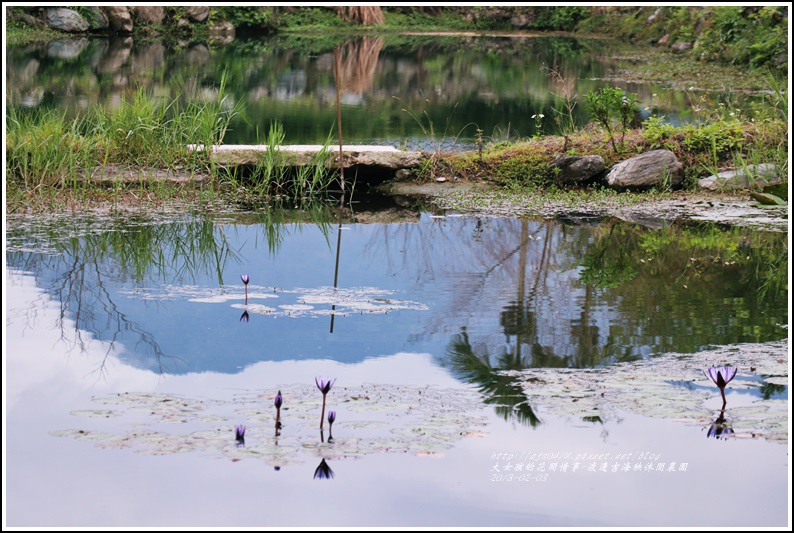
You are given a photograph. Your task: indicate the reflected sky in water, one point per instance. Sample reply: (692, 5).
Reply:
(103, 308)
(514, 294)
(90, 486)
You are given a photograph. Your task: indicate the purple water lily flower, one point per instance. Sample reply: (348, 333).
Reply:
(279, 400)
(721, 376)
(324, 384)
(245, 317)
(331, 417)
(239, 434)
(325, 387)
(245, 279)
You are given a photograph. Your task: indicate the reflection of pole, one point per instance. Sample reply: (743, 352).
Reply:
(337, 75)
(522, 272)
(336, 268)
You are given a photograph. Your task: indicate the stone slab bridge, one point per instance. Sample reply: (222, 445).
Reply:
(386, 157)
(370, 164)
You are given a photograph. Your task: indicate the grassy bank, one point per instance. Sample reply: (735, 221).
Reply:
(50, 155)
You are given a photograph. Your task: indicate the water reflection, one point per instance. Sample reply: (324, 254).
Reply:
(720, 429)
(450, 82)
(323, 471)
(500, 390)
(483, 295)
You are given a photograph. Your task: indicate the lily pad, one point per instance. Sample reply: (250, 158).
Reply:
(670, 386)
(372, 419)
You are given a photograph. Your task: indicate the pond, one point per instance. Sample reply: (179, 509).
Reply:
(420, 92)
(488, 371)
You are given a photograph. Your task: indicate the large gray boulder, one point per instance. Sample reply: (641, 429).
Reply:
(577, 169)
(149, 14)
(119, 18)
(750, 177)
(644, 171)
(62, 19)
(197, 13)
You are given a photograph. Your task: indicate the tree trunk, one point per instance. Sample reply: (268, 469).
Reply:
(367, 16)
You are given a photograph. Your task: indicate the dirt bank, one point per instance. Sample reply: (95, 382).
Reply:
(653, 209)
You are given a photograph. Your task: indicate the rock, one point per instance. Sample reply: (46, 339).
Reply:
(577, 169)
(68, 20)
(681, 47)
(664, 40)
(67, 49)
(520, 21)
(654, 168)
(29, 20)
(403, 174)
(149, 14)
(119, 18)
(197, 13)
(96, 18)
(751, 177)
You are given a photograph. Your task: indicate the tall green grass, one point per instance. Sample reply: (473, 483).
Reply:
(50, 149)
(279, 176)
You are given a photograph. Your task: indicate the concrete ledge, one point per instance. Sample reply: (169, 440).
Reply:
(303, 154)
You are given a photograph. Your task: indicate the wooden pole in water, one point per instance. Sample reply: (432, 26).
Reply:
(337, 74)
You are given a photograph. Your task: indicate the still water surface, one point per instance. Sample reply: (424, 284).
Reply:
(113, 320)
(422, 92)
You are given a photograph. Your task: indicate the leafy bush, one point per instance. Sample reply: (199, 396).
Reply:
(613, 109)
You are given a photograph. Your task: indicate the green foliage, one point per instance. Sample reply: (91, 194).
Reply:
(559, 18)
(245, 16)
(752, 36)
(613, 109)
(50, 149)
(719, 137)
(657, 133)
(276, 177)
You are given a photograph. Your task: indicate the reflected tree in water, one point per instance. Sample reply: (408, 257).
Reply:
(80, 263)
(501, 391)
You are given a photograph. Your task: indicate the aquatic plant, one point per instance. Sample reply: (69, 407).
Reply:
(323, 471)
(239, 434)
(245, 317)
(721, 376)
(325, 387)
(245, 279)
(278, 401)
